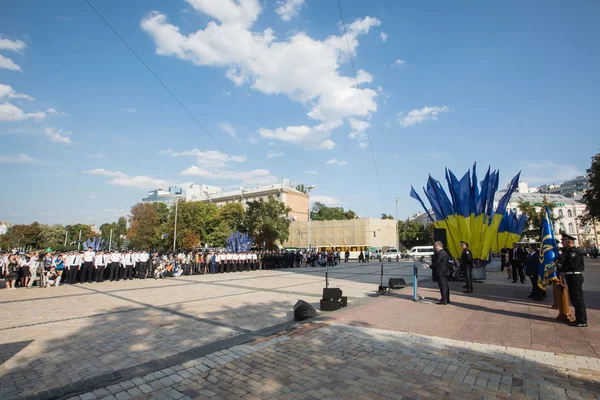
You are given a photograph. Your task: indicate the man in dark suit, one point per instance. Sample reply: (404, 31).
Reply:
(531, 269)
(516, 258)
(466, 265)
(440, 270)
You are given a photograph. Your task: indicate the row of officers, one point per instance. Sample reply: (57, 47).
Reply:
(90, 266)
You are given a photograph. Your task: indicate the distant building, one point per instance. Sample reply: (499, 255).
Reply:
(354, 235)
(292, 198)
(525, 188)
(568, 188)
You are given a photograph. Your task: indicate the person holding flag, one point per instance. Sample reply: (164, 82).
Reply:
(572, 266)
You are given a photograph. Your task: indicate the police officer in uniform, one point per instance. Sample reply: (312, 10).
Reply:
(571, 265)
(466, 264)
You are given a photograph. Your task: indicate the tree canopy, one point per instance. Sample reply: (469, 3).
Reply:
(320, 212)
(535, 215)
(591, 198)
(414, 233)
(386, 216)
(267, 222)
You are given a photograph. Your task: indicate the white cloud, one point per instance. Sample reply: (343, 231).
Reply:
(52, 111)
(256, 176)
(418, 116)
(288, 9)
(58, 135)
(10, 112)
(400, 62)
(97, 156)
(252, 140)
(274, 155)
(383, 36)
(358, 128)
(228, 129)
(120, 179)
(19, 158)
(9, 64)
(210, 158)
(9, 92)
(305, 69)
(12, 45)
(131, 110)
(363, 145)
(310, 138)
(548, 172)
(335, 161)
(92, 197)
(311, 172)
(327, 200)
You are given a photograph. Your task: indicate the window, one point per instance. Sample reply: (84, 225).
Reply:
(570, 213)
(560, 213)
(562, 227)
(570, 228)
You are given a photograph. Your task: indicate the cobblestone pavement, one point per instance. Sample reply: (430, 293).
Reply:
(320, 361)
(73, 337)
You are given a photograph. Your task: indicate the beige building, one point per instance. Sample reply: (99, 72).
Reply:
(351, 234)
(297, 201)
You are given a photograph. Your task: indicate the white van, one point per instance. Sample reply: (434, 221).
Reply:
(421, 251)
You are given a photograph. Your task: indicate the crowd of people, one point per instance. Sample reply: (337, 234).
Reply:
(47, 269)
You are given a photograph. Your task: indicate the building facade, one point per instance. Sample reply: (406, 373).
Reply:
(568, 188)
(353, 233)
(297, 201)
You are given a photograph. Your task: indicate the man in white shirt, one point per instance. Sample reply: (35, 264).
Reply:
(127, 262)
(229, 267)
(115, 259)
(143, 258)
(87, 270)
(99, 264)
(219, 264)
(73, 265)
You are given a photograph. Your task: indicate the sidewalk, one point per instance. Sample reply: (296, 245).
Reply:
(499, 313)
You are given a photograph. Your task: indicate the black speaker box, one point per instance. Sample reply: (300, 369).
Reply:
(330, 305)
(396, 283)
(439, 235)
(344, 301)
(332, 294)
(303, 310)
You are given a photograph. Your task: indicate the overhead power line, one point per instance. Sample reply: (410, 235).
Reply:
(361, 103)
(206, 131)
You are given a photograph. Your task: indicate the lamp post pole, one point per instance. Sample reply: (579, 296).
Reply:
(308, 189)
(397, 233)
(175, 228)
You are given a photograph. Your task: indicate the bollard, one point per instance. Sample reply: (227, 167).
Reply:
(415, 281)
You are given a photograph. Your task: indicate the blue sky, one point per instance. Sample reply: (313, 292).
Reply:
(86, 131)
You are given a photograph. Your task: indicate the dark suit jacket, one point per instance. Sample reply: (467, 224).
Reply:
(440, 263)
(531, 265)
(519, 260)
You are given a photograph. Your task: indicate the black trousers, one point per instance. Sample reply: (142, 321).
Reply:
(575, 286)
(87, 272)
(469, 278)
(142, 268)
(99, 273)
(114, 271)
(73, 274)
(518, 267)
(128, 272)
(444, 289)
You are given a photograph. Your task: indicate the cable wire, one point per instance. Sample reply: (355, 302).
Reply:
(360, 101)
(163, 84)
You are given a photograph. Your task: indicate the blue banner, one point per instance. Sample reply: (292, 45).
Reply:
(548, 253)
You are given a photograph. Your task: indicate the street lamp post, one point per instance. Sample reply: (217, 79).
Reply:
(308, 189)
(397, 233)
(175, 228)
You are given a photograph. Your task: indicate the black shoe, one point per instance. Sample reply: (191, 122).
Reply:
(441, 303)
(468, 291)
(522, 281)
(578, 324)
(464, 286)
(514, 281)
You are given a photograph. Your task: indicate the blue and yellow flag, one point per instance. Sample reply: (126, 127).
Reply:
(548, 253)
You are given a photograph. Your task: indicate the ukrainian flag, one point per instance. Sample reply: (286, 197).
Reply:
(468, 214)
(548, 253)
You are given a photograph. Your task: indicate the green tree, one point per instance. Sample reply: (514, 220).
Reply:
(413, 233)
(591, 198)
(73, 233)
(119, 231)
(267, 222)
(386, 216)
(51, 236)
(146, 223)
(535, 215)
(233, 215)
(301, 188)
(320, 212)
